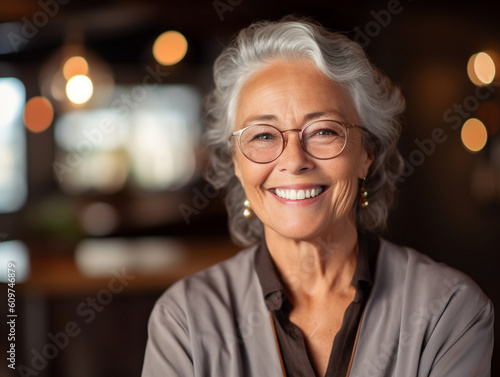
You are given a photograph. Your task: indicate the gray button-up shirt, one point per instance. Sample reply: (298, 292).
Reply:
(421, 319)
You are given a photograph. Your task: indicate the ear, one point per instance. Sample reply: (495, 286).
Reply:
(366, 161)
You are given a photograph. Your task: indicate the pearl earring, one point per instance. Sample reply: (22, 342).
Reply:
(247, 212)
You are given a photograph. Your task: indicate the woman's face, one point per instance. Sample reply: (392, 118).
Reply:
(289, 95)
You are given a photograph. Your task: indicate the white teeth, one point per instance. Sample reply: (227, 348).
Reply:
(299, 194)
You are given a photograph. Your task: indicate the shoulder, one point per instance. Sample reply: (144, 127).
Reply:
(427, 297)
(221, 283)
(406, 269)
(423, 315)
(219, 275)
(215, 320)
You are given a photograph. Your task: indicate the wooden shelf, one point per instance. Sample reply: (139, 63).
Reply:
(56, 275)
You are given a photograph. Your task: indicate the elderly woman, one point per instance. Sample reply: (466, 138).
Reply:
(302, 133)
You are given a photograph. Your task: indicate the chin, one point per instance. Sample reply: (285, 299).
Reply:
(309, 228)
(299, 231)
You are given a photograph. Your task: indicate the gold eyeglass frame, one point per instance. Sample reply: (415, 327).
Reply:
(300, 131)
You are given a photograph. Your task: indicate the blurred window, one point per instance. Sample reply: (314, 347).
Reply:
(13, 185)
(148, 140)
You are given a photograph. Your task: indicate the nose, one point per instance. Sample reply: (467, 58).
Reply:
(294, 158)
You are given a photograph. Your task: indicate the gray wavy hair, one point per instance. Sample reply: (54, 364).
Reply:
(376, 100)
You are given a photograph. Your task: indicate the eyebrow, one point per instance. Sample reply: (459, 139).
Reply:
(307, 117)
(261, 118)
(322, 114)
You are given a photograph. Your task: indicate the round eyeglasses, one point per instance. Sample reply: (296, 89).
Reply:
(321, 139)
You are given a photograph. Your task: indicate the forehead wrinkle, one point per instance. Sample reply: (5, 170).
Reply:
(309, 117)
(290, 109)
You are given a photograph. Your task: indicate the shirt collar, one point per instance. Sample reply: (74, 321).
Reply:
(272, 287)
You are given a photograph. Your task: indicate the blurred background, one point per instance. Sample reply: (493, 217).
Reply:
(102, 205)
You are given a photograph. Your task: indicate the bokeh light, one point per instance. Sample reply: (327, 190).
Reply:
(74, 78)
(98, 257)
(11, 100)
(170, 47)
(481, 69)
(38, 114)
(74, 66)
(79, 89)
(18, 253)
(474, 135)
(13, 183)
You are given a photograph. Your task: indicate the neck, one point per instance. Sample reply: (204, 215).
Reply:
(313, 269)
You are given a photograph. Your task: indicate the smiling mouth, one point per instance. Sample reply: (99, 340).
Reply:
(299, 194)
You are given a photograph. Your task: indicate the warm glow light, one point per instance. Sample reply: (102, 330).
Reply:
(38, 114)
(75, 66)
(481, 69)
(68, 71)
(471, 72)
(170, 47)
(79, 89)
(474, 135)
(484, 67)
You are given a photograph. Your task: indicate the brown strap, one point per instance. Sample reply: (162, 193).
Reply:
(277, 345)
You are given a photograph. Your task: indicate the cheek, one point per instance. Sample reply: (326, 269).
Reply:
(253, 176)
(253, 179)
(345, 188)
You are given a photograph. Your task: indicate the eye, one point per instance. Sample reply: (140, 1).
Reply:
(326, 132)
(263, 136)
